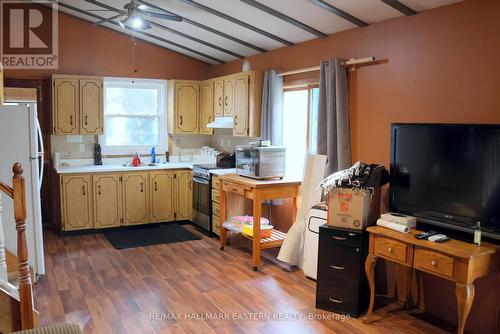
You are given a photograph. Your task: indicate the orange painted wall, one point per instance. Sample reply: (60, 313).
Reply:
(444, 66)
(85, 49)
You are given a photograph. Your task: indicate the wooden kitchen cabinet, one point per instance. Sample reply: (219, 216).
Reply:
(107, 191)
(76, 202)
(206, 106)
(241, 105)
(218, 97)
(228, 96)
(77, 105)
(91, 107)
(66, 106)
(135, 198)
(183, 105)
(183, 195)
(162, 196)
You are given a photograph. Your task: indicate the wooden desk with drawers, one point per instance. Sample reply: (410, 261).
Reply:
(457, 261)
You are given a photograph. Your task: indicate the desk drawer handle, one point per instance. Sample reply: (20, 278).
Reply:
(389, 250)
(339, 238)
(338, 301)
(434, 263)
(337, 267)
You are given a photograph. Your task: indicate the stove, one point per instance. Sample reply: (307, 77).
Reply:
(202, 195)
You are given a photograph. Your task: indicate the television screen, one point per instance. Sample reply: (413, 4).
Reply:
(445, 172)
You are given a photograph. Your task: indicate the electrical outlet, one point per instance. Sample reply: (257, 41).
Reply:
(82, 147)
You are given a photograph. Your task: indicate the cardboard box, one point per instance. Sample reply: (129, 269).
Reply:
(353, 209)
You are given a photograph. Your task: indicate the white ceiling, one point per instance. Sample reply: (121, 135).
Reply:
(304, 11)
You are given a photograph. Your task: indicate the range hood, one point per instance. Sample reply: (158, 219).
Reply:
(220, 122)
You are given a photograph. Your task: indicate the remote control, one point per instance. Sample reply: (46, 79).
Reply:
(441, 240)
(425, 235)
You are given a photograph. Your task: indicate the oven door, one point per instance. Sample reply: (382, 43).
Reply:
(201, 203)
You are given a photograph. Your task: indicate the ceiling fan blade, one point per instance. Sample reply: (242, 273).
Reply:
(109, 19)
(170, 17)
(98, 10)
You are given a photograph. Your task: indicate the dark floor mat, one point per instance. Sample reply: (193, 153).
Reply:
(149, 235)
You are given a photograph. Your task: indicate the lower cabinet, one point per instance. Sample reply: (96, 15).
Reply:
(135, 198)
(162, 199)
(76, 202)
(184, 195)
(107, 200)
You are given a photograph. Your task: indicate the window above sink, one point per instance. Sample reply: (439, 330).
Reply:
(134, 116)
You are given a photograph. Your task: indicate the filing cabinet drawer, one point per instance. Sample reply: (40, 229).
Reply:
(434, 262)
(391, 249)
(337, 296)
(342, 263)
(215, 195)
(343, 237)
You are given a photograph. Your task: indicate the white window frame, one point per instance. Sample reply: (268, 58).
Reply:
(161, 86)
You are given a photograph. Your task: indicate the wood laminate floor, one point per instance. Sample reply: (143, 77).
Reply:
(184, 288)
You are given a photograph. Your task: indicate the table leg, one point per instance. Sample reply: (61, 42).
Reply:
(465, 297)
(371, 260)
(403, 278)
(295, 208)
(223, 218)
(257, 210)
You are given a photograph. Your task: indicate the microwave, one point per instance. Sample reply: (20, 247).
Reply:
(260, 162)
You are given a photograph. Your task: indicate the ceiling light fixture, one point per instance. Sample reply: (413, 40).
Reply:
(135, 22)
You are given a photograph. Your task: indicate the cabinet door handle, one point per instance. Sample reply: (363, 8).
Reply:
(236, 120)
(225, 101)
(71, 120)
(156, 186)
(99, 189)
(335, 300)
(220, 101)
(142, 187)
(180, 117)
(337, 267)
(190, 184)
(338, 238)
(83, 190)
(209, 119)
(86, 120)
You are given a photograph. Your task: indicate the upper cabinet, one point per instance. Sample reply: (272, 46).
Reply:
(219, 97)
(77, 105)
(183, 106)
(206, 106)
(91, 106)
(194, 104)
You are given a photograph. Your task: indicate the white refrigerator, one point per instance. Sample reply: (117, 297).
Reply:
(21, 141)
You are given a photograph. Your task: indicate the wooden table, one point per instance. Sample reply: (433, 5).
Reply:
(456, 261)
(257, 191)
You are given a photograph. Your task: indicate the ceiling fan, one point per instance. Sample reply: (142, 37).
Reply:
(135, 15)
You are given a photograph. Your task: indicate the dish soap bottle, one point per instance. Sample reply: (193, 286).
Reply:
(153, 155)
(477, 234)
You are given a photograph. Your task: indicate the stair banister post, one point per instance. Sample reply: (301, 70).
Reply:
(25, 288)
(3, 262)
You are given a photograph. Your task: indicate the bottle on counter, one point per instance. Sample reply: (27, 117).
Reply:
(477, 234)
(153, 155)
(97, 155)
(136, 161)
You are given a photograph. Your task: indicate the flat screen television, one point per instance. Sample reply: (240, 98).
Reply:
(447, 175)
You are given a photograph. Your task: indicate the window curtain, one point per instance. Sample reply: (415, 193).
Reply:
(272, 108)
(333, 116)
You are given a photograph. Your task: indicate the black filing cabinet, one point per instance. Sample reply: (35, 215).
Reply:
(342, 286)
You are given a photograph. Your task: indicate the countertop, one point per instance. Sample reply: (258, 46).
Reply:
(121, 168)
(220, 172)
(260, 183)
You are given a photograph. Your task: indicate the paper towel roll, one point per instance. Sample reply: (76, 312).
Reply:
(393, 226)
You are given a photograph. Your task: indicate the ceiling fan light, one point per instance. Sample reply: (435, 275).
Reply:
(137, 22)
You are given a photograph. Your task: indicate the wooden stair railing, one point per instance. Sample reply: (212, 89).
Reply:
(18, 195)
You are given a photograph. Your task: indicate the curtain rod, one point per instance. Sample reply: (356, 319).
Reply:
(349, 62)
